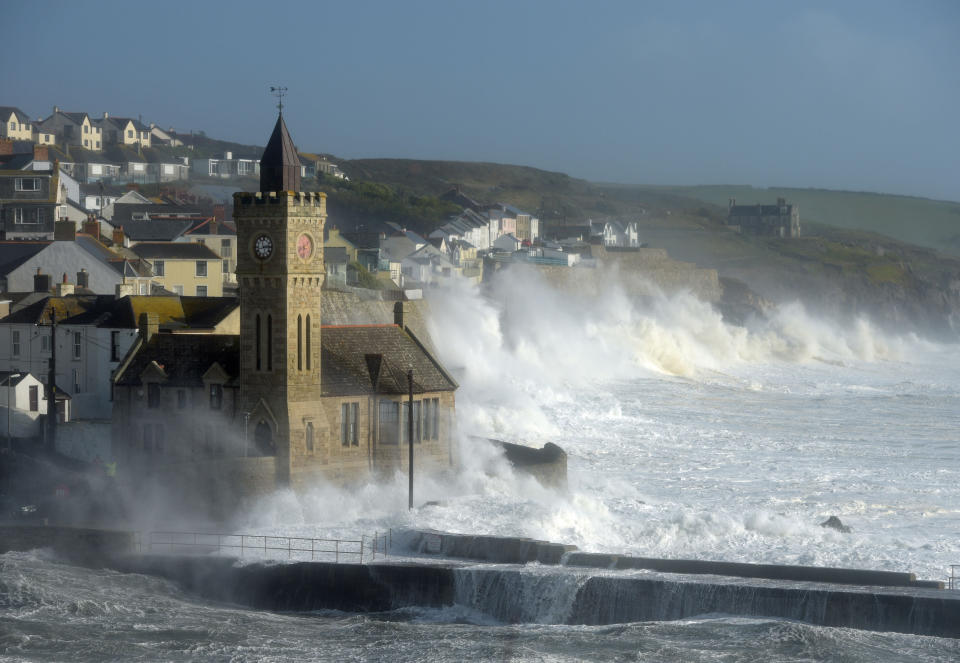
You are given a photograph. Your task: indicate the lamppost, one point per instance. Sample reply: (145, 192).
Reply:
(9, 392)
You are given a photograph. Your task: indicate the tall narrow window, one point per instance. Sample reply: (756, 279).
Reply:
(310, 436)
(269, 342)
(114, 346)
(216, 396)
(299, 342)
(258, 341)
(77, 345)
(34, 398)
(15, 343)
(308, 341)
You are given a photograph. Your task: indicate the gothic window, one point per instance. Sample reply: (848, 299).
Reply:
(263, 437)
(389, 420)
(299, 342)
(349, 424)
(269, 342)
(257, 340)
(310, 436)
(308, 341)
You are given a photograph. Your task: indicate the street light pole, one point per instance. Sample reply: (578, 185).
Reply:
(410, 432)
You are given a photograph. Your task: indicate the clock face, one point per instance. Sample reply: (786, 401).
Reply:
(263, 247)
(304, 247)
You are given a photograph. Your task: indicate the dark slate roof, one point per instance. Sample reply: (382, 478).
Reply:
(18, 161)
(280, 163)
(357, 360)
(370, 359)
(22, 117)
(155, 230)
(14, 254)
(173, 250)
(203, 227)
(335, 255)
(185, 358)
(5, 380)
(363, 239)
(65, 308)
(75, 117)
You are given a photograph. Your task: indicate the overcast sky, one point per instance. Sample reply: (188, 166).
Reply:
(842, 95)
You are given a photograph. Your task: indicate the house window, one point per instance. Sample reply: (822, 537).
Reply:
(13, 126)
(76, 381)
(143, 288)
(15, 343)
(159, 268)
(114, 346)
(129, 133)
(86, 143)
(201, 291)
(349, 420)
(181, 399)
(27, 184)
(431, 407)
(98, 144)
(44, 343)
(226, 250)
(226, 267)
(18, 215)
(389, 412)
(153, 395)
(216, 396)
(310, 436)
(77, 344)
(86, 130)
(201, 268)
(34, 398)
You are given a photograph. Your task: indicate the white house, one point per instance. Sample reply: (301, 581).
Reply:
(23, 400)
(622, 234)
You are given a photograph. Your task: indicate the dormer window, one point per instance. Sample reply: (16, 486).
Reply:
(27, 184)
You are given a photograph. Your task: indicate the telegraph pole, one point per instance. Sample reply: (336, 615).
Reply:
(52, 385)
(410, 432)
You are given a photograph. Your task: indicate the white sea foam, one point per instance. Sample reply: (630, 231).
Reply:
(687, 436)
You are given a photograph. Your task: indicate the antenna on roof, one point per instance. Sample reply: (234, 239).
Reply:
(279, 93)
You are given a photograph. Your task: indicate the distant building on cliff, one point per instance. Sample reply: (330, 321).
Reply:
(780, 220)
(288, 401)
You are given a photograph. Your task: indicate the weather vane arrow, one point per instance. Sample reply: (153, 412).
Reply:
(279, 92)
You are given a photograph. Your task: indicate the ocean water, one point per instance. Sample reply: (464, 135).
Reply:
(686, 437)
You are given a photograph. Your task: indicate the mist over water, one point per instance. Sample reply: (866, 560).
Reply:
(687, 436)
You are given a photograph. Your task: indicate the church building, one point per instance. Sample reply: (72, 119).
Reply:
(289, 401)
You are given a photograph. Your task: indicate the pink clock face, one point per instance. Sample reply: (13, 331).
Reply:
(304, 247)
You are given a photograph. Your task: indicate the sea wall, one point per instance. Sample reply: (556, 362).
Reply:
(514, 594)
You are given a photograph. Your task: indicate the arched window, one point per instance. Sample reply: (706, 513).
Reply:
(310, 436)
(299, 342)
(269, 342)
(308, 341)
(257, 334)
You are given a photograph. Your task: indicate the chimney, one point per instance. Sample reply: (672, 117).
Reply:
(64, 288)
(398, 314)
(83, 279)
(64, 231)
(118, 236)
(214, 225)
(6, 146)
(125, 290)
(41, 282)
(91, 227)
(41, 153)
(149, 324)
(219, 212)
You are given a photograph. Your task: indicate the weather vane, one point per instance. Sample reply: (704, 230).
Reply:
(278, 92)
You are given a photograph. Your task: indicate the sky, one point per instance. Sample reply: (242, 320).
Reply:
(841, 95)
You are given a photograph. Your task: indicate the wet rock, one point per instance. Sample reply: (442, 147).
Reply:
(835, 523)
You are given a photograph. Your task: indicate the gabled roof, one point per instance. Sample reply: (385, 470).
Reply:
(154, 230)
(173, 250)
(6, 111)
(205, 226)
(185, 358)
(65, 308)
(14, 254)
(18, 376)
(18, 161)
(334, 255)
(280, 164)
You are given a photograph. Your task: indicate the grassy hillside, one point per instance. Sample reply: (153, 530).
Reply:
(931, 223)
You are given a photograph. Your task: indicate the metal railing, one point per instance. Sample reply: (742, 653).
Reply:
(953, 581)
(265, 546)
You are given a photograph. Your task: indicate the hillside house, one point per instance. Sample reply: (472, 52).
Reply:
(780, 220)
(75, 129)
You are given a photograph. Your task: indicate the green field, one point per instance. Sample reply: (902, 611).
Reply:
(931, 223)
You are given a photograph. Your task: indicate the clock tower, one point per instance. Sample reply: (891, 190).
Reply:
(280, 272)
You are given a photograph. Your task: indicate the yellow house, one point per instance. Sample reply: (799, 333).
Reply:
(222, 240)
(334, 238)
(43, 137)
(184, 268)
(124, 131)
(15, 125)
(74, 129)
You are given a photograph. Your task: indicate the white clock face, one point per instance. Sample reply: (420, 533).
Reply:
(263, 247)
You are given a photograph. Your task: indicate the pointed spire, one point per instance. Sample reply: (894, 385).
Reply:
(280, 165)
